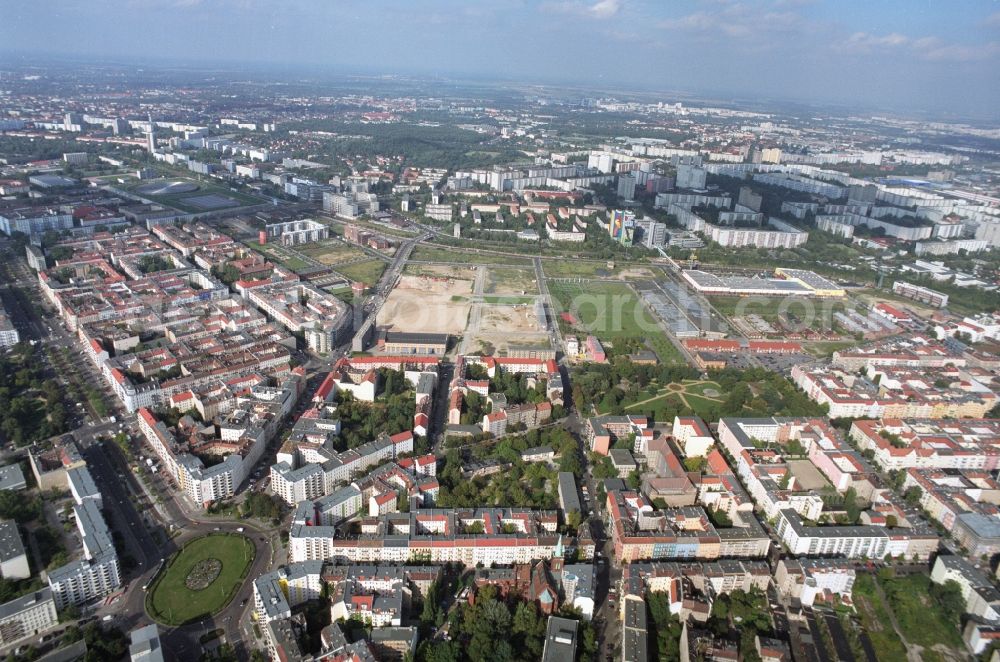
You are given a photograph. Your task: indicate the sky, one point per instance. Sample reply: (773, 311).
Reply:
(941, 55)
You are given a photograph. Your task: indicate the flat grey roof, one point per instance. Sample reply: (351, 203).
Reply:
(12, 478)
(560, 640)
(10, 541)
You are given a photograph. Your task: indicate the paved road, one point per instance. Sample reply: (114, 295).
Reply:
(552, 324)
(121, 497)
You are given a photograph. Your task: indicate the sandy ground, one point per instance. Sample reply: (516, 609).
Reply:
(502, 326)
(424, 304)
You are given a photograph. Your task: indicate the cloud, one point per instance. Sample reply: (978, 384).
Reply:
(930, 48)
(863, 43)
(993, 20)
(605, 8)
(740, 20)
(959, 53)
(602, 9)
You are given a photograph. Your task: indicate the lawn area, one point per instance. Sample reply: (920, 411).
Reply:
(568, 268)
(606, 310)
(920, 617)
(875, 619)
(194, 584)
(293, 262)
(367, 272)
(424, 253)
(689, 393)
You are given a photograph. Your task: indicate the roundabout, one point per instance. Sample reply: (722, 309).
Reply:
(201, 579)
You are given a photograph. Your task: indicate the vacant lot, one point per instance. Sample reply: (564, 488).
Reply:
(807, 475)
(920, 617)
(367, 272)
(610, 311)
(568, 268)
(331, 252)
(506, 326)
(510, 280)
(429, 304)
(423, 253)
(875, 619)
(170, 599)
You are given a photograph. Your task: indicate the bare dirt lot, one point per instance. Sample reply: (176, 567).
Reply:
(503, 326)
(429, 304)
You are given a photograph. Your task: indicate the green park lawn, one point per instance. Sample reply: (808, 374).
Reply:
(688, 393)
(169, 599)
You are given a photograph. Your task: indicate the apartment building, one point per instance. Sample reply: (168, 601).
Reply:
(27, 616)
(508, 536)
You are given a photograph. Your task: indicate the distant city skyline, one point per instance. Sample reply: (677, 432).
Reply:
(897, 55)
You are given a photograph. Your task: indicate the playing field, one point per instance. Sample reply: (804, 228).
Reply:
(200, 579)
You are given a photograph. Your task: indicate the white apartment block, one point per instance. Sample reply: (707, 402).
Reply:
(27, 616)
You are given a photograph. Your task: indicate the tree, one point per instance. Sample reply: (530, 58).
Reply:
(634, 479)
(851, 505)
(104, 645)
(694, 464)
(912, 495)
(573, 519)
(949, 596)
